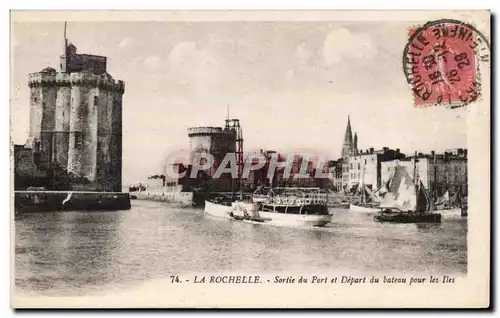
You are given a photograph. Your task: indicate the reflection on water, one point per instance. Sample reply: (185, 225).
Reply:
(79, 252)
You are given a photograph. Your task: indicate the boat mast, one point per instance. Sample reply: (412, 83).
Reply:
(435, 179)
(363, 193)
(415, 168)
(417, 183)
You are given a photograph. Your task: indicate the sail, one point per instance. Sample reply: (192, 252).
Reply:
(373, 197)
(424, 202)
(456, 199)
(402, 194)
(445, 198)
(382, 190)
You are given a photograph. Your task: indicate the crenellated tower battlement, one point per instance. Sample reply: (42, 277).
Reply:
(85, 79)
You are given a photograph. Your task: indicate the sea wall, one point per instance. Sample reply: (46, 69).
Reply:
(40, 201)
(184, 199)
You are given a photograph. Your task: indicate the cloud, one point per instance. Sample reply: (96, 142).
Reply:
(342, 44)
(181, 54)
(188, 57)
(302, 54)
(152, 61)
(193, 65)
(125, 43)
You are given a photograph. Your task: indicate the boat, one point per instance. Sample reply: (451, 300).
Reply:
(451, 213)
(454, 207)
(406, 201)
(363, 208)
(370, 200)
(227, 207)
(279, 206)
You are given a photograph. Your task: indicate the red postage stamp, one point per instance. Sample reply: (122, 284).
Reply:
(441, 63)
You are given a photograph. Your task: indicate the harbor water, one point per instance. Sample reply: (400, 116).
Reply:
(78, 253)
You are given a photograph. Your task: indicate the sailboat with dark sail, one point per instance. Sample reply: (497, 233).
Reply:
(406, 201)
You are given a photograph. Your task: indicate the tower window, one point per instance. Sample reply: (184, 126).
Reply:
(78, 139)
(96, 100)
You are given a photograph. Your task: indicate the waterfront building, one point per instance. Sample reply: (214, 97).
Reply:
(76, 122)
(336, 172)
(438, 172)
(365, 167)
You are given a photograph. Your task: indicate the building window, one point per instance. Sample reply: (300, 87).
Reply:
(37, 158)
(78, 139)
(359, 166)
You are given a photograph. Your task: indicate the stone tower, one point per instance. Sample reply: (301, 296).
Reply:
(76, 119)
(218, 142)
(348, 145)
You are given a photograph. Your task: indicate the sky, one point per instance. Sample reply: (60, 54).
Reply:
(291, 84)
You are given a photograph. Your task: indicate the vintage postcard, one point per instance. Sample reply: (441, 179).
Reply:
(250, 159)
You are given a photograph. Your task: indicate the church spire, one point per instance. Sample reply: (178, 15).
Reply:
(347, 146)
(348, 132)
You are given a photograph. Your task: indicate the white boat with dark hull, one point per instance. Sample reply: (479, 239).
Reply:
(279, 206)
